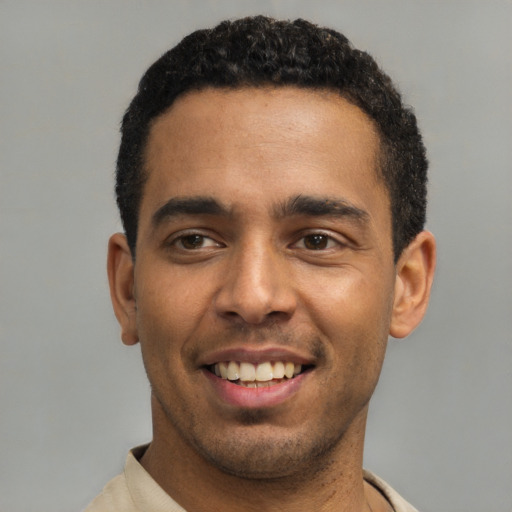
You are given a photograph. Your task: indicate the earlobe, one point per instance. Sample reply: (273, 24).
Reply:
(414, 276)
(120, 268)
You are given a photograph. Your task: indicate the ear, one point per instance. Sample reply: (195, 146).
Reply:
(414, 276)
(120, 268)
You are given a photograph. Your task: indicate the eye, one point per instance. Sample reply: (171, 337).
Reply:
(316, 242)
(194, 241)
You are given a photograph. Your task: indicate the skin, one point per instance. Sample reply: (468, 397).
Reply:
(253, 273)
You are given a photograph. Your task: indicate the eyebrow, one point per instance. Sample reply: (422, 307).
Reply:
(298, 205)
(188, 206)
(321, 207)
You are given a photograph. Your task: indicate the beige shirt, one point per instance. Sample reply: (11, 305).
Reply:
(135, 491)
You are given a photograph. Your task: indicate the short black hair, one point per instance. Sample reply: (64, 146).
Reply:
(260, 51)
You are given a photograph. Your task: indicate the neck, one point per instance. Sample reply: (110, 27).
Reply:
(332, 483)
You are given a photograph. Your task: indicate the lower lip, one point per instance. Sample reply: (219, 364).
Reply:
(254, 398)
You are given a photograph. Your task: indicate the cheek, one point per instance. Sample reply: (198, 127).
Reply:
(169, 298)
(168, 315)
(353, 311)
(349, 296)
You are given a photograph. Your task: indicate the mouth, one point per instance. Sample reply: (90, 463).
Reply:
(261, 375)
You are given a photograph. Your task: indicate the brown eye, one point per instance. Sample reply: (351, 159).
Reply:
(191, 241)
(316, 242)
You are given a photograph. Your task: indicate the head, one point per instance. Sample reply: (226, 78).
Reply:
(259, 52)
(272, 188)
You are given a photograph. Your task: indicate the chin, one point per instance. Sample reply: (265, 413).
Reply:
(268, 457)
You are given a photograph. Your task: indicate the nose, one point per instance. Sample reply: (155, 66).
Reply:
(257, 286)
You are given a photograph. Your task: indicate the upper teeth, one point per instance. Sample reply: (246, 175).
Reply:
(248, 372)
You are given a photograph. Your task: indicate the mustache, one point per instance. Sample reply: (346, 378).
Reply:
(271, 332)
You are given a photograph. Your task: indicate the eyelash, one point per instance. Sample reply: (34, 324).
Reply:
(179, 241)
(320, 237)
(323, 242)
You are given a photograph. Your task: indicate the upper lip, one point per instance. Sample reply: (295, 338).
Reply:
(256, 355)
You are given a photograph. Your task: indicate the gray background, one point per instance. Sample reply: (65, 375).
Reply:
(73, 399)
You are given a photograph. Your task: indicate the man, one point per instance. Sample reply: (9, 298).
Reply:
(272, 188)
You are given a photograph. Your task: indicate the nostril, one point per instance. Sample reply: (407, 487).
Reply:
(256, 318)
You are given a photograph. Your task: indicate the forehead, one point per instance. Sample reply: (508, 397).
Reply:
(240, 140)
(269, 109)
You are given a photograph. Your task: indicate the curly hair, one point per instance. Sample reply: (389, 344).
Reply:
(260, 51)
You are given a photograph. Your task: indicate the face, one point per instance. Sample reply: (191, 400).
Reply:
(264, 279)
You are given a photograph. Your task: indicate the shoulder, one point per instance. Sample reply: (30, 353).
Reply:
(133, 491)
(397, 502)
(114, 496)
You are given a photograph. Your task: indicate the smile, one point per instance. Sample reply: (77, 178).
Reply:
(256, 375)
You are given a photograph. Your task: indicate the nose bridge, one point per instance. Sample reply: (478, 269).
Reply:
(256, 284)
